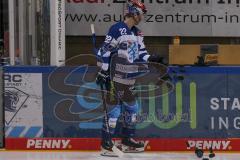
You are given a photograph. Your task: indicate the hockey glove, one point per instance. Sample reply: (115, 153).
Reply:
(156, 58)
(103, 78)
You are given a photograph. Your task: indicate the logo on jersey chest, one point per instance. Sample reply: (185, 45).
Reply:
(132, 51)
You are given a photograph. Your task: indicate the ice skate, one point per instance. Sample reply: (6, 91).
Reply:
(129, 145)
(110, 150)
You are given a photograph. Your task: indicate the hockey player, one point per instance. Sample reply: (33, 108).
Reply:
(123, 46)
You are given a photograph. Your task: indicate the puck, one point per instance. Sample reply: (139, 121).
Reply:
(199, 153)
(211, 155)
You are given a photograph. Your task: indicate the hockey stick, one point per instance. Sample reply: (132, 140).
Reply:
(115, 149)
(94, 39)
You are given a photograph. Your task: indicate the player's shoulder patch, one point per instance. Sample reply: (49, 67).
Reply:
(140, 33)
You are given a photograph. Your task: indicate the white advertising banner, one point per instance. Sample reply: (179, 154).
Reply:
(23, 104)
(57, 12)
(164, 17)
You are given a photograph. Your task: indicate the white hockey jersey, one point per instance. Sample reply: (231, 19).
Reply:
(121, 49)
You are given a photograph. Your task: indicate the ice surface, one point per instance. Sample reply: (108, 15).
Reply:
(62, 155)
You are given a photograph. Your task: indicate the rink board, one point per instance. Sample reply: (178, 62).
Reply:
(204, 106)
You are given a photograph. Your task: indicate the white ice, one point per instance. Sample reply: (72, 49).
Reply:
(58, 155)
